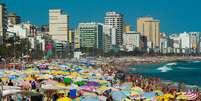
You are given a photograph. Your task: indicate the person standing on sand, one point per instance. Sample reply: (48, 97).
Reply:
(1, 90)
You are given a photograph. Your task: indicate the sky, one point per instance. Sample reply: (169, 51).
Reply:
(175, 15)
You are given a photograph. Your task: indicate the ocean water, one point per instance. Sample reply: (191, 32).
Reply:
(188, 72)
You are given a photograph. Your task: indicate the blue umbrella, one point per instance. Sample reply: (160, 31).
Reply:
(149, 95)
(90, 99)
(12, 77)
(118, 95)
(126, 86)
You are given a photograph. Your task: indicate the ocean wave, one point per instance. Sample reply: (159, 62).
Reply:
(164, 68)
(185, 68)
(196, 61)
(171, 64)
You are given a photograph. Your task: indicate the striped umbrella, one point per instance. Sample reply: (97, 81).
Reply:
(191, 95)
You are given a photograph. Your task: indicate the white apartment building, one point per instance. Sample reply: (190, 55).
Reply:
(58, 24)
(131, 40)
(116, 20)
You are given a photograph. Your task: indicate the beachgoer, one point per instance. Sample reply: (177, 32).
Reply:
(10, 83)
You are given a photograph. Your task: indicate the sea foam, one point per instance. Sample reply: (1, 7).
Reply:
(164, 68)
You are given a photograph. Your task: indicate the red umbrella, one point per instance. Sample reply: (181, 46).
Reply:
(191, 95)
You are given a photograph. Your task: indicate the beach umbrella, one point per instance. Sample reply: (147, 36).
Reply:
(137, 90)
(67, 80)
(118, 95)
(90, 99)
(88, 88)
(49, 81)
(11, 88)
(173, 86)
(160, 93)
(191, 95)
(92, 84)
(102, 98)
(11, 92)
(127, 93)
(158, 98)
(149, 95)
(126, 99)
(12, 77)
(53, 87)
(80, 83)
(102, 89)
(168, 96)
(167, 82)
(182, 97)
(4, 79)
(125, 86)
(64, 99)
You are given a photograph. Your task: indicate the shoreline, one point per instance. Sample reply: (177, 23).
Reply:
(127, 62)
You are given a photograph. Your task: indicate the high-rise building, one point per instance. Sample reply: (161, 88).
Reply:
(71, 40)
(176, 43)
(91, 35)
(133, 40)
(185, 42)
(194, 42)
(109, 33)
(77, 40)
(116, 20)
(150, 28)
(127, 28)
(58, 24)
(13, 19)
(3, 21)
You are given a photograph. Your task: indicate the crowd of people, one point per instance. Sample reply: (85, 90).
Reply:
(116, 77)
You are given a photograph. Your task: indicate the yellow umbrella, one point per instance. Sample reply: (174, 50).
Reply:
(168, 96)
(101, 81)
(182, 97)
(158, 98)
(75, 74)
(28, 78)
(60, 84)
(4, 79)
(64, 99)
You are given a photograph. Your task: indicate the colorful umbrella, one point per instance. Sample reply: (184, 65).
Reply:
(118, 95)
(64, 99)
(137, 90)
(182, 97)
(191, 95)
(67, 80)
